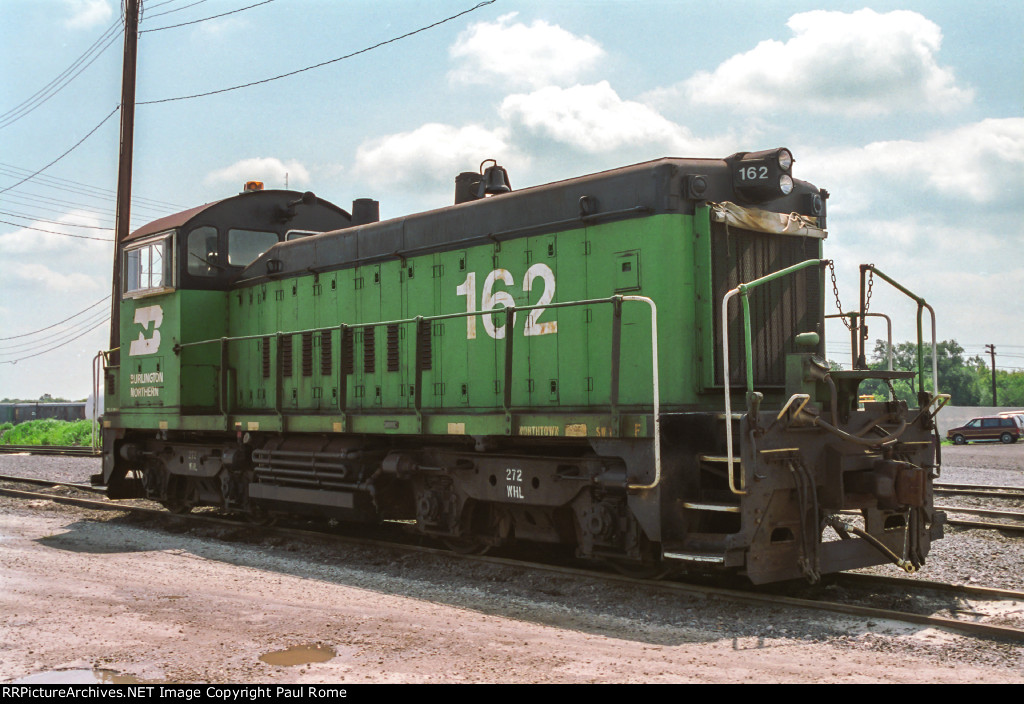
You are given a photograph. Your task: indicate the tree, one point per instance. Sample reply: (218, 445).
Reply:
(958, 377)
(1009, 386)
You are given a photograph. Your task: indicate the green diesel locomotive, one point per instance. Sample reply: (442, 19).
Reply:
(629, 363)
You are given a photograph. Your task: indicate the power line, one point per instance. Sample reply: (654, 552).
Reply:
(177, 9)
(52, 222)
(32, 345)
(205, 19)
(86, 189)
(60, 75)
(34, 200)
(49, 327)
(77, 144)
(55, 205)
(51, 349)
(323, 63)
(110, 36)
(63, 234)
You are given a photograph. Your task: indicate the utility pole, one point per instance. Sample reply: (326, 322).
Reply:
(122, 223)
(991, 349)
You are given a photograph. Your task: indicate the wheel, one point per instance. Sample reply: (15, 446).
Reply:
(1006, 438)
(959, 440)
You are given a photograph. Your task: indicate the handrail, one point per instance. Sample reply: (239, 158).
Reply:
(921, 304)
(742, 290)
(97, 376)
(656, 398)
(509, 312)
(888, 325)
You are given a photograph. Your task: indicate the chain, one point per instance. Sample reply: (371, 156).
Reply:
(835, 290)
(871, 282)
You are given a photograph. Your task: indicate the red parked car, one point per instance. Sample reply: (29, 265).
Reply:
(1006, 429)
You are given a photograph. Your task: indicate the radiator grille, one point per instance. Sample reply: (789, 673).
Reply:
(286, 355)
(307, 354)
(369, 350)
(348, 365)
(779, 310)
(425, 346)
(326, 350)
(393, 361)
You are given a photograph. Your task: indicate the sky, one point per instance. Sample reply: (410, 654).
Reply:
(908, 113)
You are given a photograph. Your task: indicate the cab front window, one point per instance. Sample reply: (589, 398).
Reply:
(244, 246)
(202, 252)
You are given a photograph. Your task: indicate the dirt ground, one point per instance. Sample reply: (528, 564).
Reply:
(84, 591)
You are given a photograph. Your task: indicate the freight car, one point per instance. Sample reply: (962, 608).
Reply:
(629, 363)
(24, 412)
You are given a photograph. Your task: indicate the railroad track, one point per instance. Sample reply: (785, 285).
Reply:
(961, 619)
(76, 450)
(1011, 521)
(996, 492)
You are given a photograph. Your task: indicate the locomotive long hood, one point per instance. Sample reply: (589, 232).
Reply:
(640, 190)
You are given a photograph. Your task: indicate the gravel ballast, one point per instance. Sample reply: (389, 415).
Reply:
(93, 590)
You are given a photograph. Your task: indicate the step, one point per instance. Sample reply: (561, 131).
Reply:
(702, 557)
(711, 506)
(701, 543)
(723, 459)
(735, 416)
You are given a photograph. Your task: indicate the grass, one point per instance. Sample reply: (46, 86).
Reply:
(47, 432)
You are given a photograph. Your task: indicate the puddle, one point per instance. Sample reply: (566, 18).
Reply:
(299, 655)
(80, 677)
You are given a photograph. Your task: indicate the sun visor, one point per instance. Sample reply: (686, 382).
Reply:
(765, 221)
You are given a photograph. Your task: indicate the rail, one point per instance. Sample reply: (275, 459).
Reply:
(98, 367)
(743, 290)
(858, 332)
(853, 333)
(224, 403)
(921, 305)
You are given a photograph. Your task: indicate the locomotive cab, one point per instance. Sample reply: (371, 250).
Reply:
(174, 275)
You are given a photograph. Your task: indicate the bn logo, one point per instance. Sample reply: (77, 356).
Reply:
(143, 317)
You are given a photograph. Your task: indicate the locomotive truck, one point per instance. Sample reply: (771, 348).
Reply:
(629, 363)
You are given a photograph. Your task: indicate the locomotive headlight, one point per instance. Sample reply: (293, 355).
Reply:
(785, 160)
(786, 184)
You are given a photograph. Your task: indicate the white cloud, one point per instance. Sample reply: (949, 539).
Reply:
(859, 63)
(432, 155)
(87, 13)
(981, 162)
(35, 273)
(520, 55)
(267, 169)
(594, 119)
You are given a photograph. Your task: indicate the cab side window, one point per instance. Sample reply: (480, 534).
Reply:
(147, 266)
(203, 254)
